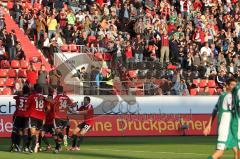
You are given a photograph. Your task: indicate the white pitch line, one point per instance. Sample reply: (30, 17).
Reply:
(152, 152)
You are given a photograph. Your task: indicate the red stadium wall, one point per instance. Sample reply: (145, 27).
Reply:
(133, 125)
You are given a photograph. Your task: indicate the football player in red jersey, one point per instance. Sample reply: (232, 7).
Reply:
(36, 106)
(48, 126)
(20, 118)
(62, 105)
(87, 110)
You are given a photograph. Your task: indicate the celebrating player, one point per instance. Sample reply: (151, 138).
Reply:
(48, 126)
(36, 106)
(226, 129)
(20, 119)
(62, 104)
(87, 110)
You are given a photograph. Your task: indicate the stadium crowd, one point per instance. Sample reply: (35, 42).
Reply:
(183, 40)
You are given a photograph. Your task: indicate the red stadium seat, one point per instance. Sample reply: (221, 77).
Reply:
(91, 39)
(2, 82)
(196, 82)
(15, 64)
(132, 73)
(193, 92)
(203, 83)
(139, 92)
(211, 84)
(117, 85)
(139, 84)
(12, 73)
(22, 73)
(130, 84)
(10, 5)
(3, 72)
(7, 91)
(64, 48)
(5, 64)
(98, 56)
(107, 57)
(18, 80)
(10, 82)
(73, 48)
(200, 90)
(24, 64)
(212, 91)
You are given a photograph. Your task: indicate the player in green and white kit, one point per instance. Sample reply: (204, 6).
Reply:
(236, 98)
(226, 132)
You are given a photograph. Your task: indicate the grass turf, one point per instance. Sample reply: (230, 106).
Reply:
(185, 147)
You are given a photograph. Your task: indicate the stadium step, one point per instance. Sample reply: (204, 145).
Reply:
(29, 49)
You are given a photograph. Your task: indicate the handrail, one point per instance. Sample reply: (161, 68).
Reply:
(93, 86)
(84, 48)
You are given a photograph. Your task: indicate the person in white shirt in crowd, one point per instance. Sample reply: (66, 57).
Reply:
(206, 49)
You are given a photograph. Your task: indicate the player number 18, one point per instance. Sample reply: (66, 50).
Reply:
(39, 104)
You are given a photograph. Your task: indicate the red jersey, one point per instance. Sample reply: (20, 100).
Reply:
(36, 106)
(32, 77)
(49, 114)
(21, 109)
(88, 118)
(62, 102)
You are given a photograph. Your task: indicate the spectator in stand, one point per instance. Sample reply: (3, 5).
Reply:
(17, 10)
(54, 78)
(41, 27)
(83, 76)
(20, 53)
(11, 41)
(93, 78)
(180, 87)
(164, 47)
(128, 53)
(2, 23)
(52, 26)
(71, 18)
(205, 50)
(221, 78)
(31, 76)
(18, 88)
(211, 71)
(46, 45)
(58, 39)
(43, 79)
(52, 49)
(3, 35)
(2, 51)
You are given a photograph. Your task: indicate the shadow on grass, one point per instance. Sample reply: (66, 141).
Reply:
(7, 151)
(98, 155)
(118, 141)
(92, 155)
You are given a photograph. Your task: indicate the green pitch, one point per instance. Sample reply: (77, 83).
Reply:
(129, 148)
